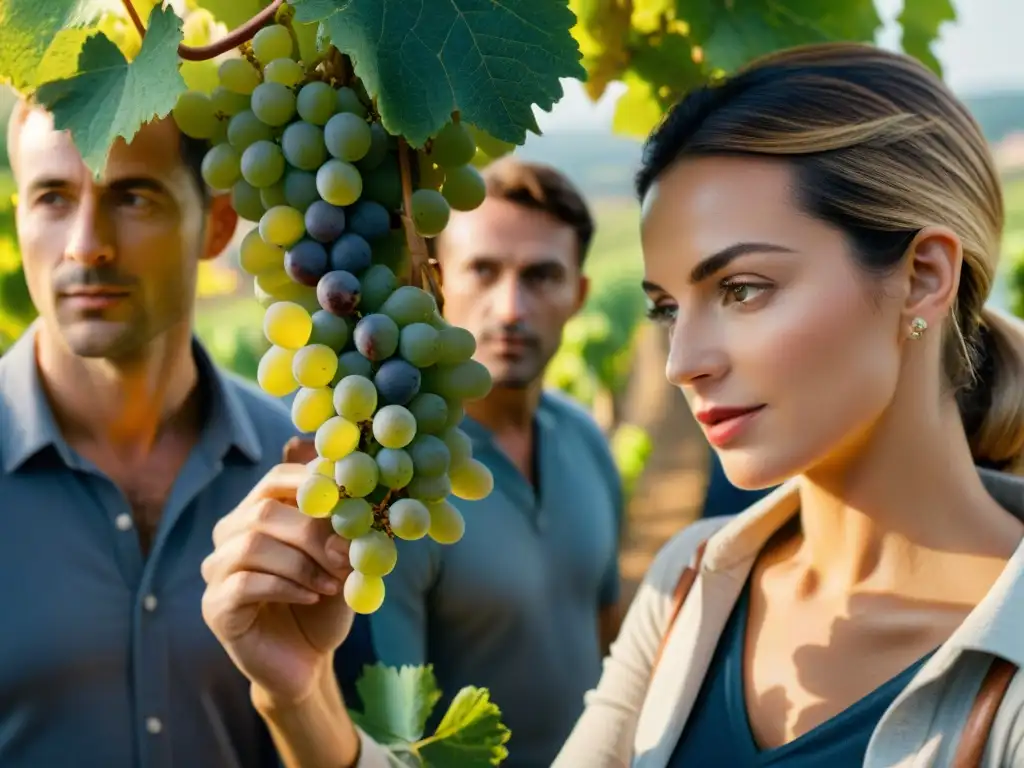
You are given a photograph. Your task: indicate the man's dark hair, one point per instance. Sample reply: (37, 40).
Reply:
(542, 188)
(192, 153)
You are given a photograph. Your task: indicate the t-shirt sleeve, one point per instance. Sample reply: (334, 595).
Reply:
(399, 626)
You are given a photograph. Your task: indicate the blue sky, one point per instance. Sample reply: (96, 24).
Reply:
(980, 51)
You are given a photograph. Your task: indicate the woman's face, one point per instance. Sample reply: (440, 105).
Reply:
(787, 352)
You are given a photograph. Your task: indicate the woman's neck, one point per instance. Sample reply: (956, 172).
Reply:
(901, 504)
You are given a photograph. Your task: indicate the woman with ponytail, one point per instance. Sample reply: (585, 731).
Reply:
(820, 235)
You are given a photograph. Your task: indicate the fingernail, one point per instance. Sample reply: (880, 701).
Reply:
(336, 558)
(330, 586)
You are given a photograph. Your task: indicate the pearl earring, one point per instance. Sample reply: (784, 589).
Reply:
(918, 327)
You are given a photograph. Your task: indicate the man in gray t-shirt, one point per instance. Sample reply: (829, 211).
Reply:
(527, 602)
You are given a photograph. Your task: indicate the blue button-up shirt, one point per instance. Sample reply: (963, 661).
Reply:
(105, 659)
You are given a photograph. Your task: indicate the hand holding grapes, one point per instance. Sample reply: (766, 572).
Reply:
(274, 594)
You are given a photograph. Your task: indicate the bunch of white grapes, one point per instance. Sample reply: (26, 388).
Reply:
(378, 375)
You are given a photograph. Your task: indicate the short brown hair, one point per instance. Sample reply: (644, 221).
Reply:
(542, 188)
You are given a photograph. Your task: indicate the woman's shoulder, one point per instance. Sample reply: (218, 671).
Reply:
(680, 551)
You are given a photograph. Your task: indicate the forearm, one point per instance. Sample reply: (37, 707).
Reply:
(314, 733)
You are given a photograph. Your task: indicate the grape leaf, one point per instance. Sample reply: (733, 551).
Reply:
(111, 97)
(638, 110)
(471, 734)
(731, 34)
(233, 13)
(29, 28)
(920, 20)
(492, 60)
(396, 702)
(602, 31)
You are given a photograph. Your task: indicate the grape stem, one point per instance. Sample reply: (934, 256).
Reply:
(422, 267)
(233, 39)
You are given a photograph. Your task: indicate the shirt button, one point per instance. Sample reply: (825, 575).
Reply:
(149, 603)
(123, 522)
(153, 725)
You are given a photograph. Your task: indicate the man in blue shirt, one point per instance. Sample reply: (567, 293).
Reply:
(527, 602)
(121, 446)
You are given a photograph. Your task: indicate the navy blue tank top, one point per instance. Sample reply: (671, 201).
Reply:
(718, 733)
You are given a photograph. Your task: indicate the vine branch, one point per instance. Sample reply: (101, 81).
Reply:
(233, 39)
(422, 270)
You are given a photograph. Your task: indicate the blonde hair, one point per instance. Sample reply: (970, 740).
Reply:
(881, 148)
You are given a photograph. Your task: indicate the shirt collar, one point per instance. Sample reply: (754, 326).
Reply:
(27, 424)
(995, 626)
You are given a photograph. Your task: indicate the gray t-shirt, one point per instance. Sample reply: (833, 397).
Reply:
(513, 606)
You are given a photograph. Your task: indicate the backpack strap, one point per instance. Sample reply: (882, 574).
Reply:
(683, 586)
(974, 736)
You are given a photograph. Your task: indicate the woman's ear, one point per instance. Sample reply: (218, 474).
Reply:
(933, 275)
(221, 221)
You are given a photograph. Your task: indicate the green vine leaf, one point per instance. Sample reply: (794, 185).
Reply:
(111, 97)
(422, 60)
(396, 702)
(471, 735)
(920, 20)
(29, 29)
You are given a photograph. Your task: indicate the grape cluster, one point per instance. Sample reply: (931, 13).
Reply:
(379, 376)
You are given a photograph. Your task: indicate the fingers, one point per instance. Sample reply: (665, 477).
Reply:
(299, 451)
(262, 552)
(230, 607)
(280, 483)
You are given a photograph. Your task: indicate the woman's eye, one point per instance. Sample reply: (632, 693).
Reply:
(663, 314)
(741, 293)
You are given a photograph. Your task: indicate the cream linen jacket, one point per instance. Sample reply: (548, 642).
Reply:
(631, 721)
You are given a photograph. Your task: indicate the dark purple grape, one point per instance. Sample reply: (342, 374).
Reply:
(306, 262)
(397, 381)
(368, 219)
(376, 337)
(338, 292)
(352, 363)
(378, 149)
(325, 222)
(351, 253)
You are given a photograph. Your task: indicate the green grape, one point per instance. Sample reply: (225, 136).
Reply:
(238, 76)
(430, 455)
(273, 196)
(330, 329)
(348, 137)
(321, 466)
(300, 189)
(409, 518)
(471, 480)
(347, 100)
(336, 438)
(315, 365)
(194, 115)
(430, 212)
(274, 41)
(317, 496)
(429, 176)
(308, 411)
(456, 413)
(460, 446)
(287, 325)
(352, 363)
(282, 225)
(220, 133)
(316, 102)
(447, 525)
(394, 426)
(356, 474)
(262, 164)
(245, 199)
(352, 518)
(339, 183)
(300, 294)
(431, 412)
(468, 380)
(490, 146)
(273, 104)
(274, 282)
(303, 145)
(355, 398)
(418, 343)
(373, 554)
(392, 251)
(256, 256)
(455, 345)
(430, 487)
(378, 149)
(408, 305)
(227, 102)
(274, 374)
(464, 188)
(287, 72)
(395, 466)
(245, 129)
(364, 594)
(384, 184)
(221, 166)
(452, 146)
(377, 283)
